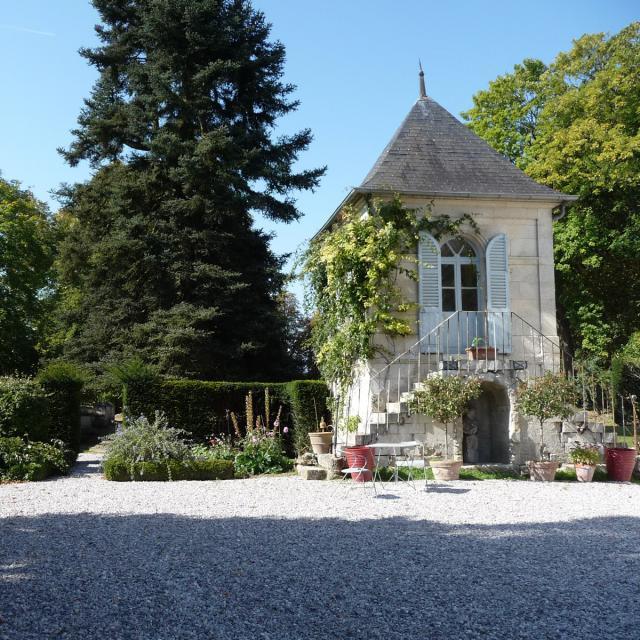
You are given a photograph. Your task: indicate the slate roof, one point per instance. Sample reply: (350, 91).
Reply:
(433, 153)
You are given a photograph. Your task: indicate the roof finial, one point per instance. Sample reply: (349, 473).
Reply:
(423, 91)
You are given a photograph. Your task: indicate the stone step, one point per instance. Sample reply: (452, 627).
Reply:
(397, 407)
(382, 417)
(307, 472)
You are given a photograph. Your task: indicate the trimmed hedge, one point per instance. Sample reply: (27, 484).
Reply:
(308, 400)
(157, 471)
(63, 384)
(24, 409)
(203, 408)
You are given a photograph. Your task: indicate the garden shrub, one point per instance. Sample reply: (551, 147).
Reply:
(25, 460)
(24, 411)
(63, 383)
(308, 400)
(261, 452)
(203, 408)
(144, 441)
(146, 450)
(219, 448)
(198, 469)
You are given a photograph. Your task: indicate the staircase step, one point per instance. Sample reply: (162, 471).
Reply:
(382, 417)
(397, 407)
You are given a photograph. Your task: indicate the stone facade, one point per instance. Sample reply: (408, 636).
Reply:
(436, 164)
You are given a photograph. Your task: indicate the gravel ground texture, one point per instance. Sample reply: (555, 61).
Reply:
(280, 558)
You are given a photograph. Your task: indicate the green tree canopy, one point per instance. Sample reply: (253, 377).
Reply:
(584, 139)
(26, 256)
(506, 114)
(161, 258)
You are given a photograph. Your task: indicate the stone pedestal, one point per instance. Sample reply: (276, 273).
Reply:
(332, 464)
(311, 473)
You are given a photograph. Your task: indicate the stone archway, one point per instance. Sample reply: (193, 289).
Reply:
(486, 427)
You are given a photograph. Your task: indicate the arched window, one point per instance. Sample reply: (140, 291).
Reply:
(460, 276)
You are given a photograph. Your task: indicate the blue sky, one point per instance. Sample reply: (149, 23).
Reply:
(354, 62)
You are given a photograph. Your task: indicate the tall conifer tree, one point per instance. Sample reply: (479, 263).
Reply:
(162, 258)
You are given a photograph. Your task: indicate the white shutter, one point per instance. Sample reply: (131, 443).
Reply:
(499, 315)
(430, 290)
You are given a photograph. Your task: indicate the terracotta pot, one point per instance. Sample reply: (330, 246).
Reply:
(321, 441)
(620, 463)
(542, 471)
(361, 456)
(446, 470)
(584, 472)
(481, 353)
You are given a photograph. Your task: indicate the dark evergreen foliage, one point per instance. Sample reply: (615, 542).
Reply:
(63, 382)
(161, 258)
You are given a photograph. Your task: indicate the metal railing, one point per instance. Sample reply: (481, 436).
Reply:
(474, 343)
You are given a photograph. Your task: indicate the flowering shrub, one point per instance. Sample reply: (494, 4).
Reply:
(261, 452)
(220, 447)
(144, 441)
(24, 460)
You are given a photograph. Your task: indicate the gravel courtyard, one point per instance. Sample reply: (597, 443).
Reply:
(281, 558)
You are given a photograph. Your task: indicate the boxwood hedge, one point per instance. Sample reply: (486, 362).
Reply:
(161, 470)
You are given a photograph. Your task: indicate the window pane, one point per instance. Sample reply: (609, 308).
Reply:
(469, 299)
(468, 275)
(448, 299)
(446, 250)
(456, 244)
(467, 251)
(448, 277)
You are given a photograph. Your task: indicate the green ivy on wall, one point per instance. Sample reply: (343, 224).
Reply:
(351, 272)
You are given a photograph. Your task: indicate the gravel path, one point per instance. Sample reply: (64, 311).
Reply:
(284, 559)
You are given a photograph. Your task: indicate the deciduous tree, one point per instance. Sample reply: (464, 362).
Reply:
(585, 139)
(26, 256)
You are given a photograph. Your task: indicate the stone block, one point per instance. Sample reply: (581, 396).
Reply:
(333, 464)
(307, 459)
(311, 473)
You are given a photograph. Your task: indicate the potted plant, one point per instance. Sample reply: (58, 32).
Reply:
(585, 457)
(477, 352)
(321, 440)
(551, 395)
(446, 399)
(357, 455)
(621, 461)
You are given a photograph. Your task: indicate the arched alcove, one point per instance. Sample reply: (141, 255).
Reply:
(486, 427)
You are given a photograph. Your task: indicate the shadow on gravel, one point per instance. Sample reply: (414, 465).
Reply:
(164, 577)
(87, 468)
(445, 488)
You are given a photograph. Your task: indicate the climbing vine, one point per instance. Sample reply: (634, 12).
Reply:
(351, 272)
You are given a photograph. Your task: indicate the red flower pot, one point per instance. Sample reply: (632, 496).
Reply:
(360, 457)
(620, 462)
